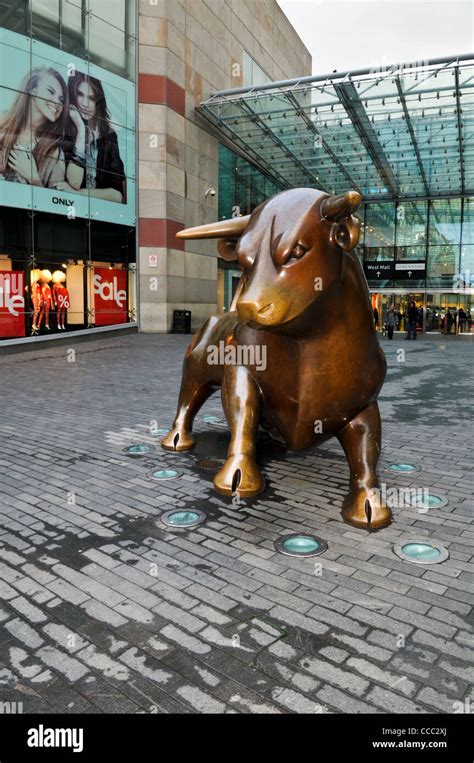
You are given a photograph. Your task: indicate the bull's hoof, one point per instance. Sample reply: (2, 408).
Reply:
(177, 440)
(239, 475)
(363, 508)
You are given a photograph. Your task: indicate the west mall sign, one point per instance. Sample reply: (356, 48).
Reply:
(390, 270)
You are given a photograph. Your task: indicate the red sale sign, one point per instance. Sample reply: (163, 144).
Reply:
(12, 304)
(110, 296)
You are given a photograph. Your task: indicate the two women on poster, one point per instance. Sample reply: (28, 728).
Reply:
(59, 135)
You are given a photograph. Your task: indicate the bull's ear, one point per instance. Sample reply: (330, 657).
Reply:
(227, 248)
(345, 234)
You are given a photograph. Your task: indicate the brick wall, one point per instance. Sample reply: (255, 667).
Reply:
(188, 48)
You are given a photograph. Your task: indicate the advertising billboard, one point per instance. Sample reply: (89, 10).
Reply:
(12, 304)
(67, 134)
(110, 296)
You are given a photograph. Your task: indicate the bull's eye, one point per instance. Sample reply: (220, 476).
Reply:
(298, 252)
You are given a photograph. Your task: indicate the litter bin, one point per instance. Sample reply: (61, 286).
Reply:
(181, 322)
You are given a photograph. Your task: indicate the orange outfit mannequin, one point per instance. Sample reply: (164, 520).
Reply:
(47, 302)
(37, 299)
(62, 303)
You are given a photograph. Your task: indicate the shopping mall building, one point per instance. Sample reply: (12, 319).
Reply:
(122, 123)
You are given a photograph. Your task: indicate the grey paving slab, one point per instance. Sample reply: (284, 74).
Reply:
(104, 609)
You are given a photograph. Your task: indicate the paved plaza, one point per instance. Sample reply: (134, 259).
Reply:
(105, 609)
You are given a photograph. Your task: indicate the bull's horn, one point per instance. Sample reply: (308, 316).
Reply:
(223, 229)
(339, 207)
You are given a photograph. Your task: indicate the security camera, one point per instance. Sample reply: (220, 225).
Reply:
(210, 192)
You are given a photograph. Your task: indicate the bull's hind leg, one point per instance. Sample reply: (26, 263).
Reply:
(361, 440)
(241, 400)
(197, 384)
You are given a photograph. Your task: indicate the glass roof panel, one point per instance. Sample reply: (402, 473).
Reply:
(405, 131)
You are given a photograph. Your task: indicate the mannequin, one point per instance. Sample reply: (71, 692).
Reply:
(47, 298)
(61, 298)
(36, 298)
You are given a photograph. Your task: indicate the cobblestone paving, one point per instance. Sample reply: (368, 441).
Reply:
(104, 609)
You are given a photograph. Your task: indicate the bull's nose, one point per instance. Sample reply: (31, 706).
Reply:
(247, 311)
(254, 311)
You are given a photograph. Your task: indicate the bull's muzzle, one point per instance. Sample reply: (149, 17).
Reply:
(261, 313)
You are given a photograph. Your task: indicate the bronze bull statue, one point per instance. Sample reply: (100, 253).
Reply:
(303, 303)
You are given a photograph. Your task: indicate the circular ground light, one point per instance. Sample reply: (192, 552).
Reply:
(165, 474)
(421, 552)
(140, 449)
(183, 519)
(402, 468)
(210, 464)
(301, 545)
(428, 501)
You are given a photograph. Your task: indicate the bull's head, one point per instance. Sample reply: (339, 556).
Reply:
(290, 245)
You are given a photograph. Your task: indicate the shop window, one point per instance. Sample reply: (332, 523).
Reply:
(465, 276)
(445, 222)
(411, 230)
(45, 21)
(242, 187)
(379, 231)
(111, 47)
(443, 266)
(468, 223)
(253, 73)
(15, 15)
(121, 12)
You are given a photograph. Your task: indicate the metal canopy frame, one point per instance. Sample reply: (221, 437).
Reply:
(405, 132)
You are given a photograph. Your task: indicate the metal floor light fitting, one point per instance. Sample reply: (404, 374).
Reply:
(429, 501)
(301, 545)
(165, 474)
(402, 468)
(419, 551)
(139, 449)
(183, 519)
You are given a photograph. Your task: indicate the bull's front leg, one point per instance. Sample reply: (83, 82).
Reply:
(361, 440)
(242, 405)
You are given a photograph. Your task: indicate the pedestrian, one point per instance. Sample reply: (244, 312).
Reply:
(462, 317)
(450, 319)
(391, 321)
(412, 317)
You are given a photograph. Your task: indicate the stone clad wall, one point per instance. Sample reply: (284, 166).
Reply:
(188, 48)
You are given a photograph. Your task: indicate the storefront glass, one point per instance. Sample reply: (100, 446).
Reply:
(67, 166)
(58, 275)
(431, 262)
(241, 186)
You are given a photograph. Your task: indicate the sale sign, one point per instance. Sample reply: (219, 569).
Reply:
(110, 296)
(12, 304)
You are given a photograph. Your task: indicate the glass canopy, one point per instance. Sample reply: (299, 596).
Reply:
(404, 132)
